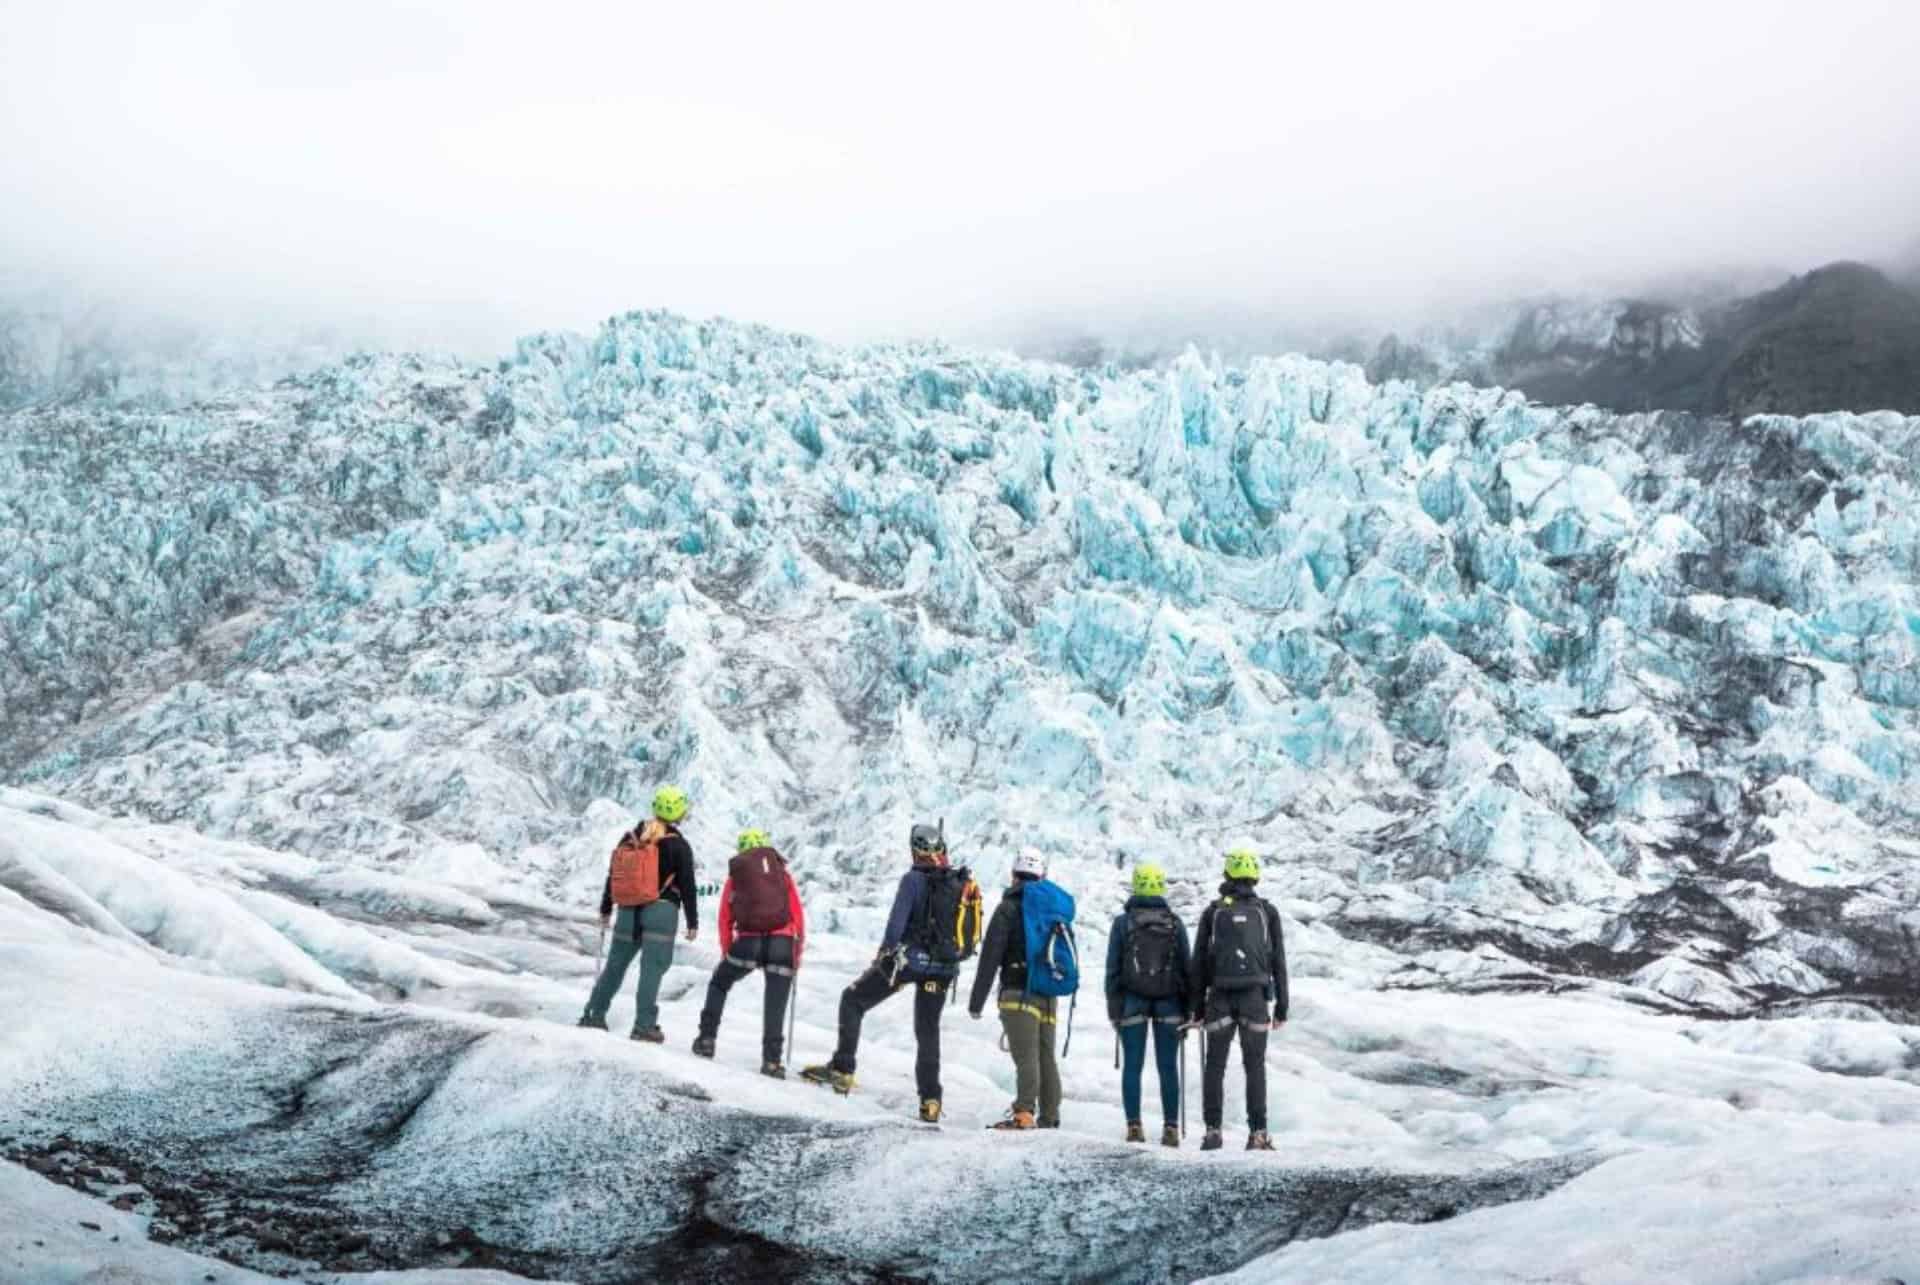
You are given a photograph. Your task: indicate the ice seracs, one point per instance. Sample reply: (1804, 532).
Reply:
(1567, 660)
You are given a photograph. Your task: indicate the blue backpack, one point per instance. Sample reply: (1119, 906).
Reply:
(1053, 959)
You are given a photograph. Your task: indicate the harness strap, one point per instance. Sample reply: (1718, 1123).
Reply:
(1031, 1010)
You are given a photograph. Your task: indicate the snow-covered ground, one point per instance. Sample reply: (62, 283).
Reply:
(412, 1091)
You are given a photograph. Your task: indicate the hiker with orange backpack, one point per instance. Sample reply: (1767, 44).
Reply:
(650, 882)
(934, 925)
(762, 926)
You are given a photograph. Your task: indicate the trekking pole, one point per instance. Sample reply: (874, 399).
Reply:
(1183, 1084)
(793, 1009)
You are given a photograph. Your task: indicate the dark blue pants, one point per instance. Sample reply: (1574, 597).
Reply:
(1166, 1059)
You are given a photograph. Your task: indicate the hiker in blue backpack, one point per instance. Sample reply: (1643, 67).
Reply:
(1147, 962)
(1029, 947)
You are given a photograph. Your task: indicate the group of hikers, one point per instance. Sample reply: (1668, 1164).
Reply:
(1231, 980)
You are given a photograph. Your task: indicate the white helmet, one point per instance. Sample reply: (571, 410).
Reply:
(1030, 862)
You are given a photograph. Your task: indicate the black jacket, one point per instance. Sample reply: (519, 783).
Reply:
(1003, 951)
(1200, 978)
(676, 861)
(1117, 1006)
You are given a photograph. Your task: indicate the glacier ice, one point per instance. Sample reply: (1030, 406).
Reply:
(1587, 677)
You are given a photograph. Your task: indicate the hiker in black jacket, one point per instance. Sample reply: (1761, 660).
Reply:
(1238, 983)
(648, 930)
(1028, 1020)
(1147, 966)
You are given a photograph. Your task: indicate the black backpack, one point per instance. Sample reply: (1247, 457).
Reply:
(1242, 949)
(948, 923)
(1148, 966)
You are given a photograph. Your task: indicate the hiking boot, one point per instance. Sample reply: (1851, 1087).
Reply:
(1170, 1136)
(703, 1046)
(1212, 1141)
(649, 1035)
(1016, 1120)
(1135, 1133)
(930, 1111)
(840, 1082)
(593, 1023)
(1258, 1140)
(1044, 1123)
(773, 1070)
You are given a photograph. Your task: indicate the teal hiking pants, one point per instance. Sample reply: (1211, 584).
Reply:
(646, 931)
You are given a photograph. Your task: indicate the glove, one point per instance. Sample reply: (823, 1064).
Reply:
(974, 1013)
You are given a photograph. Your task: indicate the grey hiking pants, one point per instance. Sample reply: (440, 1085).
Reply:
(646, 931)
(1248, 1012)
(1030, 1022)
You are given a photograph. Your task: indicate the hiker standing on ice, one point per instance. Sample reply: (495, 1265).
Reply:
(1239, 969)
(1147, 965)
(762, 926)
(650, 882)
(934, 925)
(1028, 912)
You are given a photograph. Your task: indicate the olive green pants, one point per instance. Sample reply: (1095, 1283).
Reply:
(1029, 1022)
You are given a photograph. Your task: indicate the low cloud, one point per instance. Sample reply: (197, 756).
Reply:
(871, 171)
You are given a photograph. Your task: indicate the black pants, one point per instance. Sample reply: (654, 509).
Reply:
(1245, 1011)
(775, 955)
(929, 997)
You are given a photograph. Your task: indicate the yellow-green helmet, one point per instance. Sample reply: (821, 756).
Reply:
(669, 803)
(1242, 863)
(1149, 881)
(751, 839)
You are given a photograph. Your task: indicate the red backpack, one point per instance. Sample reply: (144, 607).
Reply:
(636, 867)
(760, 904)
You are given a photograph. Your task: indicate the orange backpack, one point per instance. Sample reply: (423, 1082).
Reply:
(636, 867)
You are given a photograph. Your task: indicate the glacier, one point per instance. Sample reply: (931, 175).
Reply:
(1566, 737)
(1621, 697)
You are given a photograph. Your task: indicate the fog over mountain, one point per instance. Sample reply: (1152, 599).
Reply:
(1109, 165)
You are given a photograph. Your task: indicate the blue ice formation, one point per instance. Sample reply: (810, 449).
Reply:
(1471, 667)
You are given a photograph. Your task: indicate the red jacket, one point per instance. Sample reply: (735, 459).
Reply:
(796, 922)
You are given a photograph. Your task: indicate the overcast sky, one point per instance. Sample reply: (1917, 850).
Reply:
(870, 170)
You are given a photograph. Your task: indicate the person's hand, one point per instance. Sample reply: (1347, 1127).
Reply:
(604, 921)
(692, 933)
(1276, 1023)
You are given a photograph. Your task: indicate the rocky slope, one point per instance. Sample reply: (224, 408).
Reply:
(1842, 337)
